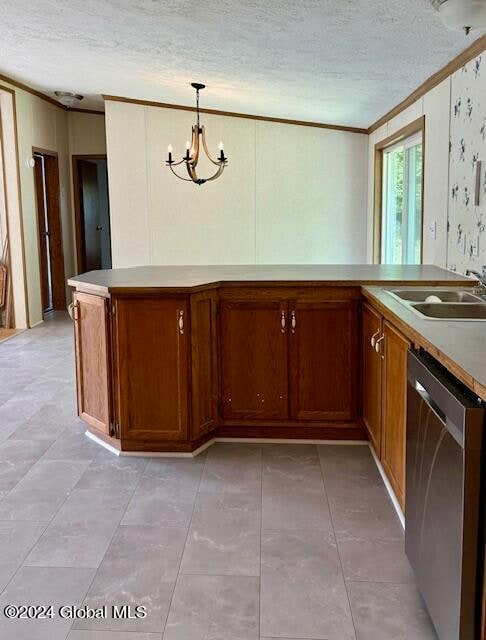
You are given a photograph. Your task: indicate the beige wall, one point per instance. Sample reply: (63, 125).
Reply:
(12, 204)
(87, 136)
(435, 107)
(41, 124)
(46, 126)
(290, 194)
(86, 133)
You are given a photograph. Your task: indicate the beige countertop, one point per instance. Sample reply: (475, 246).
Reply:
(459, 345)
(190, 277)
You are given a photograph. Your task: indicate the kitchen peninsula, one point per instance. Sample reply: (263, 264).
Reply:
(169, 357)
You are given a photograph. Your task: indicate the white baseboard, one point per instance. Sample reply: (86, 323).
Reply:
(206, 445)
(102, 442)
(290, 441)
(398, 509)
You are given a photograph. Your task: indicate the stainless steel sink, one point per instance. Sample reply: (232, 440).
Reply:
(445, 295)
(455, 304)
(451, 311)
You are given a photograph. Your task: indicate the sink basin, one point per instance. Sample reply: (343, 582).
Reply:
(446, 295)
(451, 311)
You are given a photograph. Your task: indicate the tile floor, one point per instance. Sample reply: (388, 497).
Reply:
(246, 542)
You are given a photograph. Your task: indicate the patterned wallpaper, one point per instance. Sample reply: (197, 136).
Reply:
(467, 222)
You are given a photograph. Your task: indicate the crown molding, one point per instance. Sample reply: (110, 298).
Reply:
(43, 96)
(92, 112)
(233, 114)
(474, 49)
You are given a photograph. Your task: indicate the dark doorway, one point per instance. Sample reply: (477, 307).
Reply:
(92, 210)
(51, 258)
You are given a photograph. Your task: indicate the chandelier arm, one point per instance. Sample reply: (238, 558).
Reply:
(217, 174)
(195, 145)
(191, 170)
(205, 147)
(175, 164)
(178, 176)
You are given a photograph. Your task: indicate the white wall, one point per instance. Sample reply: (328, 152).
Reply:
(435, 107)
(290, 194)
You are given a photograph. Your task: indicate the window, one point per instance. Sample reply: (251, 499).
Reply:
(398, 212)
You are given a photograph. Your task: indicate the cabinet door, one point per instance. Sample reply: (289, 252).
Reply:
(204, 351)
(371, 376)
(93, 373)
(323, 357)
(152, 368)
(394, 348)
(254, 359)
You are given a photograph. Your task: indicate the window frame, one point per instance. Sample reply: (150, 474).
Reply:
(387, 144)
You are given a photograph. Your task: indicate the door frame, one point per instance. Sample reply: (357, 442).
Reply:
(78, 210)
(58, 271)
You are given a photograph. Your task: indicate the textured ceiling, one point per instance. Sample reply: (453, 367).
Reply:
(336, 61)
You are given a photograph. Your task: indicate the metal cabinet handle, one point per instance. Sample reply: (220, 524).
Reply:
(377, 345)
(282, 322)
(73, 310)
(293, 321)
(373, 338)
(181, 322)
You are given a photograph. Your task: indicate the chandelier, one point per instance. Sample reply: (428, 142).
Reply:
(193, 149)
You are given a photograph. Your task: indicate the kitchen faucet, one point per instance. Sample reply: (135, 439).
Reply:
(480, 288)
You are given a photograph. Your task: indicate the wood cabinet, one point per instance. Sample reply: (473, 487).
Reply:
(293, 360)
(395, 347)
(93, 372)
(152, 368)
(254, 360)
(324, 360)
(165, 372)
(204, 362)
(384, 384)
(371, 375)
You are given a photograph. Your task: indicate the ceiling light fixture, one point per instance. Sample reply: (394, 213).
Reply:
(68, 98)
(463, 15)
(193, 148)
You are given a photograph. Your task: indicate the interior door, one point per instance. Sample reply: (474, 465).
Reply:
(43, 229)
(93, 369)
(152, 368)
(93, 224)
(91, 215)
(51, 256)
(371, 376)
(323, 357)
(254, 359)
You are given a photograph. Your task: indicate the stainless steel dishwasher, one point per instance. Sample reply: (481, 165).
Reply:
(444, 504)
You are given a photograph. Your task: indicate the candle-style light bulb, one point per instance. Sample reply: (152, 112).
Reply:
(170, 149)
(188, 145)
(221, 152)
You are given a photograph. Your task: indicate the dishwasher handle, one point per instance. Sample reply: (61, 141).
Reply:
(422, 391)
(454, 404)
